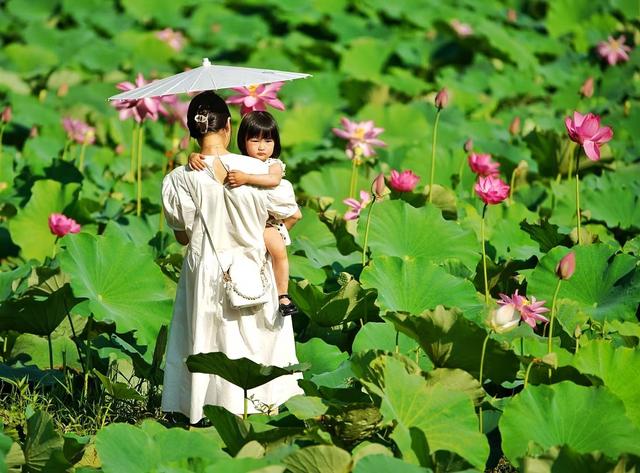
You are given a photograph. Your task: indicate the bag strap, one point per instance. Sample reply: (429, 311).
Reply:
(225, 274)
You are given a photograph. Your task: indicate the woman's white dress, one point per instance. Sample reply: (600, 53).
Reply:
(202, 321)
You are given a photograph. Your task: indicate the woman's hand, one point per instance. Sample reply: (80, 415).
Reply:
(196, 161)
(237, 178)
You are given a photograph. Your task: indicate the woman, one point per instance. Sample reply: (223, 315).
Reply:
(203, 321)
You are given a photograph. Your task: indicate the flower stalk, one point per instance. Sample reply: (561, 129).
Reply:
(578, 215)
(139, 171)
(553, 317)
(433, 154)
(484, 349)
(484, 258)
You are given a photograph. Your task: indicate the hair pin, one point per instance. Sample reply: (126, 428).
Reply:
(199, 118)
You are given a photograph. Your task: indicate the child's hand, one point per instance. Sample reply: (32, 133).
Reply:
(196, 161)
(237, 178)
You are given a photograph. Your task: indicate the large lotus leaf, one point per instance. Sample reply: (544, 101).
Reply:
(242, 372)
(301, 267)
(618, 368)
(11, 455)
(386, 464)
(306, 407)
(30, 59)
(365, 58)
(416, 284)
(403, 123)
(398, 229)
(446, 417)
(451, 341)
(319, 459)
(333, 181)
(43, 445)
(121, 281)
(318, 243)
(605, 285)
(621, 187)
(321, 356)
(30, 229)
(123, 447)
(503, 230)
(541, 417)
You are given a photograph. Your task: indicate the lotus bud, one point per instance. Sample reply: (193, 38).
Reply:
(566, 266)
(587, 88)
(512, 16)
(504, 319)
(442, 98)
(514, 127)
(6, 114)
(378, 186)
(468, 145)
(34, 132)
(63, 90)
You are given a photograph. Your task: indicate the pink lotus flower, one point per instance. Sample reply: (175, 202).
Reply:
(6, 114)
(257, 97)
(378, 186)
(531, 312)
(361, 135)
(586, 131)
(504, 319)
(356, 205)
(175, 39)
(483, 165)
(462, 29)
(79, 131)
(442, 98)
(139, 109)
(177, 109)
(491, 189)
(566, 266)
(614, 50)
(587, 88)
(404, 181)
(60, 225)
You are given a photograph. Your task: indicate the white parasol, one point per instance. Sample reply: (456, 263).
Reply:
(208, 77)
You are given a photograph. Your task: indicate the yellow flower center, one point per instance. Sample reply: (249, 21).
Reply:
(252, 89)
(359, 133)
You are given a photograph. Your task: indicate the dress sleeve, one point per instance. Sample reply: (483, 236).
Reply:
(179, 209)
(271, 161)
(281, 200)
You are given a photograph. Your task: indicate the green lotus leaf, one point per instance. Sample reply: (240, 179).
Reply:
(319, 459)
(565, 459)
(416, 284)
(306, 407)
(386, 464)
(10, 279)
(321, 356)
(451, 341)
(318, 243)
(11, 455)
(613, 294)
(30, 228)
(30, 59)
(404, 124)
(398, 229)
(123, 447)
(617, 367)
(623, 188)
(242, 372)
(121, 282)
(456, 380)
(365, 58)
(43, 446)
(446, 417)
(333, 181)
(541, 417)
(301, 267)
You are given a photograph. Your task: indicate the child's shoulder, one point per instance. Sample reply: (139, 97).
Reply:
(272, 161)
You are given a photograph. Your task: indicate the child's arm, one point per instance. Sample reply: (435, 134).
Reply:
(239, 178)
(196, 161)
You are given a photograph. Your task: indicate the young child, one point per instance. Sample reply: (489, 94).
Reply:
(258, 137)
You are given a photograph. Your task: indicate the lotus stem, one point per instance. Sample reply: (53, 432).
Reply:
(570, 171)
(132, 166)
(553, 316)
(83, 148)
(484, 349)
(484, 258)
(1, 136)
(433, 154)
(578, 216)
(513, 183)
(366, 232)
(526, 375)
(139, 174)
(397, 340)
(245, 414)
(355, 162)
(50, 351)
(65, 150)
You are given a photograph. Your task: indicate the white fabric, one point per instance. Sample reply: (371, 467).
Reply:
(282, 200)
(202, 321)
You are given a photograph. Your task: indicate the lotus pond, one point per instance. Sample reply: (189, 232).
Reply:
(474, 309)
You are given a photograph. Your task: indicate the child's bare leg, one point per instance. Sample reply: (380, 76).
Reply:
(278, 251)
(291, 221)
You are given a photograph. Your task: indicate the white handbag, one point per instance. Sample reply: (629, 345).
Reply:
(245, 280)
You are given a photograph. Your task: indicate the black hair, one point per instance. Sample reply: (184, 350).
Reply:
(207, 113)
(258, 124)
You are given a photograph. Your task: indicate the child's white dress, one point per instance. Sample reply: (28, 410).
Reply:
(281, 197)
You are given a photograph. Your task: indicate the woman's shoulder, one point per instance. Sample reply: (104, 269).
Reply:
(240, 162)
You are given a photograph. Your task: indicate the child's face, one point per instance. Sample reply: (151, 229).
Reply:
(260, 148)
